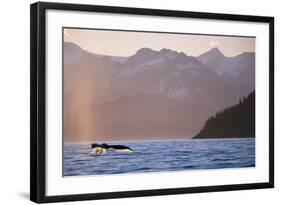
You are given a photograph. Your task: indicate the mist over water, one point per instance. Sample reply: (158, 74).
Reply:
(155, 156)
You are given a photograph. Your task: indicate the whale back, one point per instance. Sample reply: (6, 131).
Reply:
(120, 147)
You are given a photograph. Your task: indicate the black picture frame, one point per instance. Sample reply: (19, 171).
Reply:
(38, 100)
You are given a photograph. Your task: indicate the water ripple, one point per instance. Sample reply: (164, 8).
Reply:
(153, 156)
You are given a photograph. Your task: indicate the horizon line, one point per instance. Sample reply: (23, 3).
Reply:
(152, 140)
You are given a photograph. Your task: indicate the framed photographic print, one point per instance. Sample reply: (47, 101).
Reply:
(129, 102)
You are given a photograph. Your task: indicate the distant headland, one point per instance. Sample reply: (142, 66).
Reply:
(237, 121)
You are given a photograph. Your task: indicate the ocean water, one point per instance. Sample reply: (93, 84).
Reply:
(156, 156)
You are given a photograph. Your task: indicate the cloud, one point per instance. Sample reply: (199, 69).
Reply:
(214, 43)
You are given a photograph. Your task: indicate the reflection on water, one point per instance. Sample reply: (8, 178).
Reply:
(154, 156)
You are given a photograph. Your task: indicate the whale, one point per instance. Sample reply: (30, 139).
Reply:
(103, 148)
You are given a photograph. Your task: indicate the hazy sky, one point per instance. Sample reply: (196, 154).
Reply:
(124, 43)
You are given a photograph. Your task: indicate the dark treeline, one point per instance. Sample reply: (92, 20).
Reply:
(237, 121)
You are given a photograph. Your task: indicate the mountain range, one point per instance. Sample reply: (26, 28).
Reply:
(238, 70)
(150, 94)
